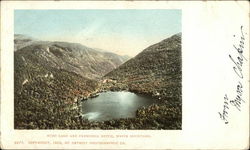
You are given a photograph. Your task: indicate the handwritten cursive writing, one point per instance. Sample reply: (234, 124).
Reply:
(240, 58)
(238, 63)
(237, 101)
(224, 114)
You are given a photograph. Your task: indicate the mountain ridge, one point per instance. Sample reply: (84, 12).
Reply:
(49, 80)
(157, 72)
(75, 57)
(49, 85)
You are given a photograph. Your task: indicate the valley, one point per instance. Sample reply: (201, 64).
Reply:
(53, 79)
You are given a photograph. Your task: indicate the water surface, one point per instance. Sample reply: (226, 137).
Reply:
(114, 105)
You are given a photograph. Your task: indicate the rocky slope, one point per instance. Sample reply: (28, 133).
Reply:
(73, 57)
(156, 71)
(44, 97)
(50, 78)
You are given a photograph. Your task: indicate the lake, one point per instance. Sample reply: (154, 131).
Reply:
(114, 105)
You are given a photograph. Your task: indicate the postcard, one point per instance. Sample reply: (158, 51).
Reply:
(124, 75)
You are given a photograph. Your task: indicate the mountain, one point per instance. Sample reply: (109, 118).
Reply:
(156, 72)
(45, 97)
(21, 41)
(51, 77)
(72, 57)
(124, 58)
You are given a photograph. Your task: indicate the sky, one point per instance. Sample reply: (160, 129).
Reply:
(125, 32)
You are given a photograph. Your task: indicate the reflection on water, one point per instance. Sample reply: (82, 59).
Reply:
(113, 105)
(91, 115)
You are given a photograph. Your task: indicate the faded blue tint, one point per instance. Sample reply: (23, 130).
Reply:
(141, 22)
(124, 30)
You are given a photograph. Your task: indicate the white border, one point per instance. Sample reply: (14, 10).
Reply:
(207, 30)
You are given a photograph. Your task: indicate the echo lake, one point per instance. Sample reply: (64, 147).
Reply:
(114, 105)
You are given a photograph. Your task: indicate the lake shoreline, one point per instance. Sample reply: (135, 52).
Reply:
(164, 115)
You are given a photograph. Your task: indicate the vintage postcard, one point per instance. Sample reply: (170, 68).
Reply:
(124, 75)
